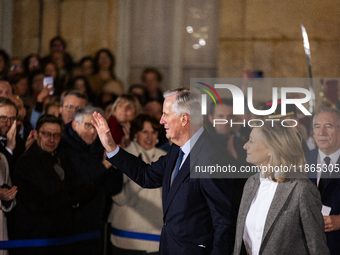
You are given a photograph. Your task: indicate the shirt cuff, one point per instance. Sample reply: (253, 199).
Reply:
(113, 153)
(9, 150)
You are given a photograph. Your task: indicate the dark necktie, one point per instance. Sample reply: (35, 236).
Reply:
(179, 161)
(324, 176)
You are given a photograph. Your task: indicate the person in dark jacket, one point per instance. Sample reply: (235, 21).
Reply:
(85, 165)
(44, 207)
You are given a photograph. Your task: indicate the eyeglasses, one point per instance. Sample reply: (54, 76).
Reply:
(4, 119)
(15, 67)
(71, 108)
(88, 126)
(47, 135)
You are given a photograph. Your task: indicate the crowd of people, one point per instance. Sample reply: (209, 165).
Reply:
(81, 151)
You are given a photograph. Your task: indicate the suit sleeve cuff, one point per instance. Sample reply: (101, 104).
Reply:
(113, 153)
(9, 150)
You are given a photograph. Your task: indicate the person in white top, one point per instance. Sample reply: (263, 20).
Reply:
(136, 210)
(280, 211)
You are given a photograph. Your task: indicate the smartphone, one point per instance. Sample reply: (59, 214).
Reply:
(48, 80)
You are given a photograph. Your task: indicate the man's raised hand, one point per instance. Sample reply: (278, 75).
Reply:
(104, 132)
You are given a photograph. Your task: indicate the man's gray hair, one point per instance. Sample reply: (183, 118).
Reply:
(328, 109)
(75, 93)
(188, 102)
(83, 112)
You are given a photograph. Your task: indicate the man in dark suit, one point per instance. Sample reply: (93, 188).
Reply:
(327, 137)
(11, 144)
(44, 207)
(196, 211)
(24, 128)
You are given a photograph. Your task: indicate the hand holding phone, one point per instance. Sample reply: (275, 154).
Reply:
(48, 81)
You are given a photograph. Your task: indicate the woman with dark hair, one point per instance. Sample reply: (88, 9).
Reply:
(136, 209)
(104, 78)
(81, 84)
(87, 66)
(51, 69)
(280, 211)
(31, 63)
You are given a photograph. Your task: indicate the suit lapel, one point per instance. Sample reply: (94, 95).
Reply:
(331, 184)
(167, 176)
(183, 172)
(281, 195)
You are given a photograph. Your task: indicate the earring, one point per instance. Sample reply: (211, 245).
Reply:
(157, 141)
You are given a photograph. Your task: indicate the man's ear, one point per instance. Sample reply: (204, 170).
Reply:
(210, 117)
(60, 109)
(185, 119)
(73, 124)
(35, 135)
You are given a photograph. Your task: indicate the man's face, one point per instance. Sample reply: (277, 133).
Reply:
(85, 130)
(154, 108)
(327, 132)
(48, 137)
(151, 82)
(21, 111)
(57, 45)
(15, 67)
(5, 89)
(71, 103)
(7, 113)
(172, 123)
(222, 112)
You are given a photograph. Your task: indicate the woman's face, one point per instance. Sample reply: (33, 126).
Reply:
(38, 83)
(33, 63)
(80, 85)
(257, 151)
(87, 68)
(147, 137)
(50, 70)
(53, 110)
(125, 112)
(21, 88)
(104, 61)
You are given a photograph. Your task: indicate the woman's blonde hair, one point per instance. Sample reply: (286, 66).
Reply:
(284, 145)
(127, 98)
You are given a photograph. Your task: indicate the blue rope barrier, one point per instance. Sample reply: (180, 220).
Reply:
(135, 235)
(48, 241)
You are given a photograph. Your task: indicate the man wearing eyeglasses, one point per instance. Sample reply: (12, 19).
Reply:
(24, 128)
(44, 207)
(83, 155)
(69, 103)
(11, 144)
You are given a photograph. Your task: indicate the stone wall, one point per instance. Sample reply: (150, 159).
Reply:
(266, 35)
(86, 25)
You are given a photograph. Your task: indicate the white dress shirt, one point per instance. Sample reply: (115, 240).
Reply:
(257, 215)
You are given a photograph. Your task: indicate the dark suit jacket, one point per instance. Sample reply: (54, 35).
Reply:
(330, 197)
(17, 152)
(294, 224)
(44, 208)
(196, 211)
